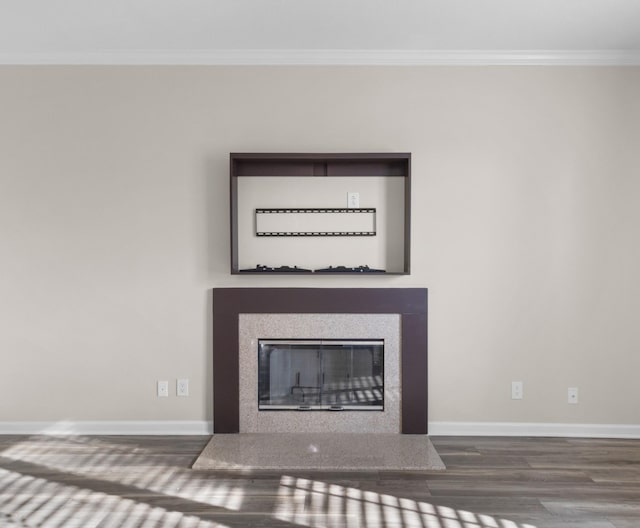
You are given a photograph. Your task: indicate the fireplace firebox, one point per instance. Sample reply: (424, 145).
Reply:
(321, 374)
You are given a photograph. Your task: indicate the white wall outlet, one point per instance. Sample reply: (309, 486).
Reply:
(182, 387)
(517, 390)
(163, 389)
(572, 395)
(353, 200)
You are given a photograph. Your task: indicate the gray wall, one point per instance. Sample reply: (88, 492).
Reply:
(114, 228)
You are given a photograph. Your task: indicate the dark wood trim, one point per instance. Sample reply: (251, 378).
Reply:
(409, 303)
(407, 220)
(233, 223)
(414, 373)
(226, 391)
(325, 164)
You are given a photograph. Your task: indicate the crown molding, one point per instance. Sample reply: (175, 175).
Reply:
(329, 57)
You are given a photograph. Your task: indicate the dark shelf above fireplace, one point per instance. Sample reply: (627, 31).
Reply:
(305, 184)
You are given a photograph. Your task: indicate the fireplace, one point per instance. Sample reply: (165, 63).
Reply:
(243, 317)
(312, 350)
(320, 374)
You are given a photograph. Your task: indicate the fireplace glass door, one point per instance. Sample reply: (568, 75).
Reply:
(321, 374)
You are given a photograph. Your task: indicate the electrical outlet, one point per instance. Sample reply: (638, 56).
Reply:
(572, 395)
(163, 389)
(182, 387)
(353, 200)
(517, 390)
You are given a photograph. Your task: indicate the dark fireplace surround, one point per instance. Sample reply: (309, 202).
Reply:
(409, 303)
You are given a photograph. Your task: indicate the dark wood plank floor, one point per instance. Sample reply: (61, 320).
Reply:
(135, 481)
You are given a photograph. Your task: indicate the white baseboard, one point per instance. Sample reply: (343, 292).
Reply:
(435, 429)
(533, 429)
(108, 428)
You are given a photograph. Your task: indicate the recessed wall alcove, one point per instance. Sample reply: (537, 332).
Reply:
(409, 303)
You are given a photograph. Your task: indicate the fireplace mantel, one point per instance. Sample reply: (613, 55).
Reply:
(409, 303)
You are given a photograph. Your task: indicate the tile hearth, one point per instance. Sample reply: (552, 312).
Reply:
(319, 452)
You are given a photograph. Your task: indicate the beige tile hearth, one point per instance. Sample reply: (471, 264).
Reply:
(319, 451)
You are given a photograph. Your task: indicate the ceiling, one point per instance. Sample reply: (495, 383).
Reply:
(320, 32)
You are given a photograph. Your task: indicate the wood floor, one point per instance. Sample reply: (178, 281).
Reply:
(135, 481)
